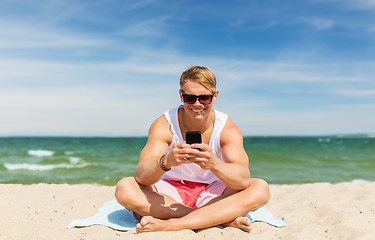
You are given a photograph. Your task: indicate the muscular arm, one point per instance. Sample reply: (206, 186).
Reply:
(159, 137)
(234, 170)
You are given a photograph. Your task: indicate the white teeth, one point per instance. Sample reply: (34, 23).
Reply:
(197, 111)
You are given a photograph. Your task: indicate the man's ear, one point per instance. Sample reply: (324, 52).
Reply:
(215, 97)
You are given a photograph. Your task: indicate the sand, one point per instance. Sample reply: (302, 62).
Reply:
(312, 211)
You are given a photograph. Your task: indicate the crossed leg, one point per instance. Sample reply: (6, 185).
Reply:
(163, 213)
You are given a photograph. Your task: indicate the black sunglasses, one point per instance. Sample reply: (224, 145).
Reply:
(191, 99)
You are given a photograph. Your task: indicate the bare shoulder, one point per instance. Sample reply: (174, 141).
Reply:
(159, 138)
(231, 140)
(160, 129)
(231, 133)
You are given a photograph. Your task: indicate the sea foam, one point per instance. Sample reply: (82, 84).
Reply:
(39, 167)
(74, 160)
(360, 181)
(40, 153)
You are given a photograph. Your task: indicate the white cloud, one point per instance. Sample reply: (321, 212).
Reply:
(352, 4)
(320, 23)
(357, 93)
(358, 4)
(154, 27)
(24, 35)
(122, 98)
(339, 119)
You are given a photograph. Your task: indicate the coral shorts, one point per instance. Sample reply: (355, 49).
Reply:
(191, 194)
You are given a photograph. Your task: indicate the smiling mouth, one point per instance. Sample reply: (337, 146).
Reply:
(197, 111)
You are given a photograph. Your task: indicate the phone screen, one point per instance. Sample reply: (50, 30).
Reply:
(193, 137)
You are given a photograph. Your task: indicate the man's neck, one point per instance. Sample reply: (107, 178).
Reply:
(191, 124)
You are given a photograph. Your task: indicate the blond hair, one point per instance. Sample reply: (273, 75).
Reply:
(202, 75)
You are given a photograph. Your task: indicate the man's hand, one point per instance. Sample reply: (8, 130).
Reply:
(199, 153)
(205, 157)
(182, 153)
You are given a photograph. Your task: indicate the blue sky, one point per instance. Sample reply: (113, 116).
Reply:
(109, 68)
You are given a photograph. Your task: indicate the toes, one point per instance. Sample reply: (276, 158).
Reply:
(144, 221)
(138, 228)
(144, 224)
(242, 223)
(247, 221)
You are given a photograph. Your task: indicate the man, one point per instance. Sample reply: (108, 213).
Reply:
(182, 186)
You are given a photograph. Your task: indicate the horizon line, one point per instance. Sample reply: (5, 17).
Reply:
(370, 135)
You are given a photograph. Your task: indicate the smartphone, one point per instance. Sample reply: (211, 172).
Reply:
(193, 137)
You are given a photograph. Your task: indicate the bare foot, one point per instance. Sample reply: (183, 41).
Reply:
(242, 223)
(150, 224)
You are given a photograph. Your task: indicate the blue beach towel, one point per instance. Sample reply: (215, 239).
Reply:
(115, 216)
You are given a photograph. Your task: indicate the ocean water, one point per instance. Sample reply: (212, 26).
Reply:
(104, 161)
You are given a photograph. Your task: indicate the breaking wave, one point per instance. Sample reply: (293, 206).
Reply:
(42, 167)
(74, 162)
(40, 153)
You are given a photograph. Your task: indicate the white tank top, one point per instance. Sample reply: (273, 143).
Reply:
(192, 172)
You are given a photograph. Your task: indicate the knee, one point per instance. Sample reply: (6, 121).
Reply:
(124, 192)
(262, 189)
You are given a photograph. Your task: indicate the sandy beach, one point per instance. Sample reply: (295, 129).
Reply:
(311, 211)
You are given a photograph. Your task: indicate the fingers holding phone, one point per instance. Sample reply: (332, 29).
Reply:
(182, 153)
(205, 157)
